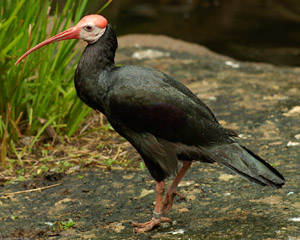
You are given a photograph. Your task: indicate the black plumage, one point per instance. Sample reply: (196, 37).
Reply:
(158, 115)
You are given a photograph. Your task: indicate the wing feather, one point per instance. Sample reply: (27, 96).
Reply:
(153, 103)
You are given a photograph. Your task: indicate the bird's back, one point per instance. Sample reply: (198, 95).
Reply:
(150, 101)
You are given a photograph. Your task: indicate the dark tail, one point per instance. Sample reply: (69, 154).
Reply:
(245, 163)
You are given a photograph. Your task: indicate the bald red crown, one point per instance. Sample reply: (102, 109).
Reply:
(98, 20)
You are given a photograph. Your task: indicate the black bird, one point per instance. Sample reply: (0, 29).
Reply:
(158, 115)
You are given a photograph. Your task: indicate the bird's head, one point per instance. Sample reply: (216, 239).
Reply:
(90, 28)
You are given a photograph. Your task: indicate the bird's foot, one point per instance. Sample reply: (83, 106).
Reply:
(169, 199)
(147, 226)
(181, 197)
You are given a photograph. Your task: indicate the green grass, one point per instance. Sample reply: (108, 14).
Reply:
(63, 225)
(41, 86)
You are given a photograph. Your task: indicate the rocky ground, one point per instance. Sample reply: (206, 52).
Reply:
(259, 101)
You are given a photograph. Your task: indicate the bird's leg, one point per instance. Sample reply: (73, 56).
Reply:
(157, 218)
(172, 192)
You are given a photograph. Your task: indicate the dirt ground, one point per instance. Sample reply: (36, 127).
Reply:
(259, 101)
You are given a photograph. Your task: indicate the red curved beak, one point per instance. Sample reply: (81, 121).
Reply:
(71, 33)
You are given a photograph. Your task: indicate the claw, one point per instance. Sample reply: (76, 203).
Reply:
(147, 226)
(141, 225)
(168, 203)
(181, 197)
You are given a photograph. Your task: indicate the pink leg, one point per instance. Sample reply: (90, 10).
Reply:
(156, 219)
(172, 192)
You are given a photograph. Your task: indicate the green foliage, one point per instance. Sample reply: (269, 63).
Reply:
(14, 217)
(69, 224)
(142, 165)
(62, 166)
(109, 162)
(41, 86)
(64, 225)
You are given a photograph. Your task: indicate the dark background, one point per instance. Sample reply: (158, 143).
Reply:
(251, 30)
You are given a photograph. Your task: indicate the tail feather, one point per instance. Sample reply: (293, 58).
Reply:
(272, 169)
(245, 163)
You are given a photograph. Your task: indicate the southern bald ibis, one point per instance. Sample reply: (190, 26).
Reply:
(158, 115)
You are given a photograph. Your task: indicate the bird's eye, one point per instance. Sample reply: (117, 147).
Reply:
(88, 28)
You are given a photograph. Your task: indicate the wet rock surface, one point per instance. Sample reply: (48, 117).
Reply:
(258, 101)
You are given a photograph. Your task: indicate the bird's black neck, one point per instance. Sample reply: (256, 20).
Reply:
(100, 54)
(97, 57)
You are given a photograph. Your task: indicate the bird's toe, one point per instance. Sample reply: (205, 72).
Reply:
(148, 226)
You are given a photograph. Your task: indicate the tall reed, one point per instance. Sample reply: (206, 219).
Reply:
(41, 86)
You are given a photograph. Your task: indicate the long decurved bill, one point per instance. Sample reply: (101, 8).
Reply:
(71, 33)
